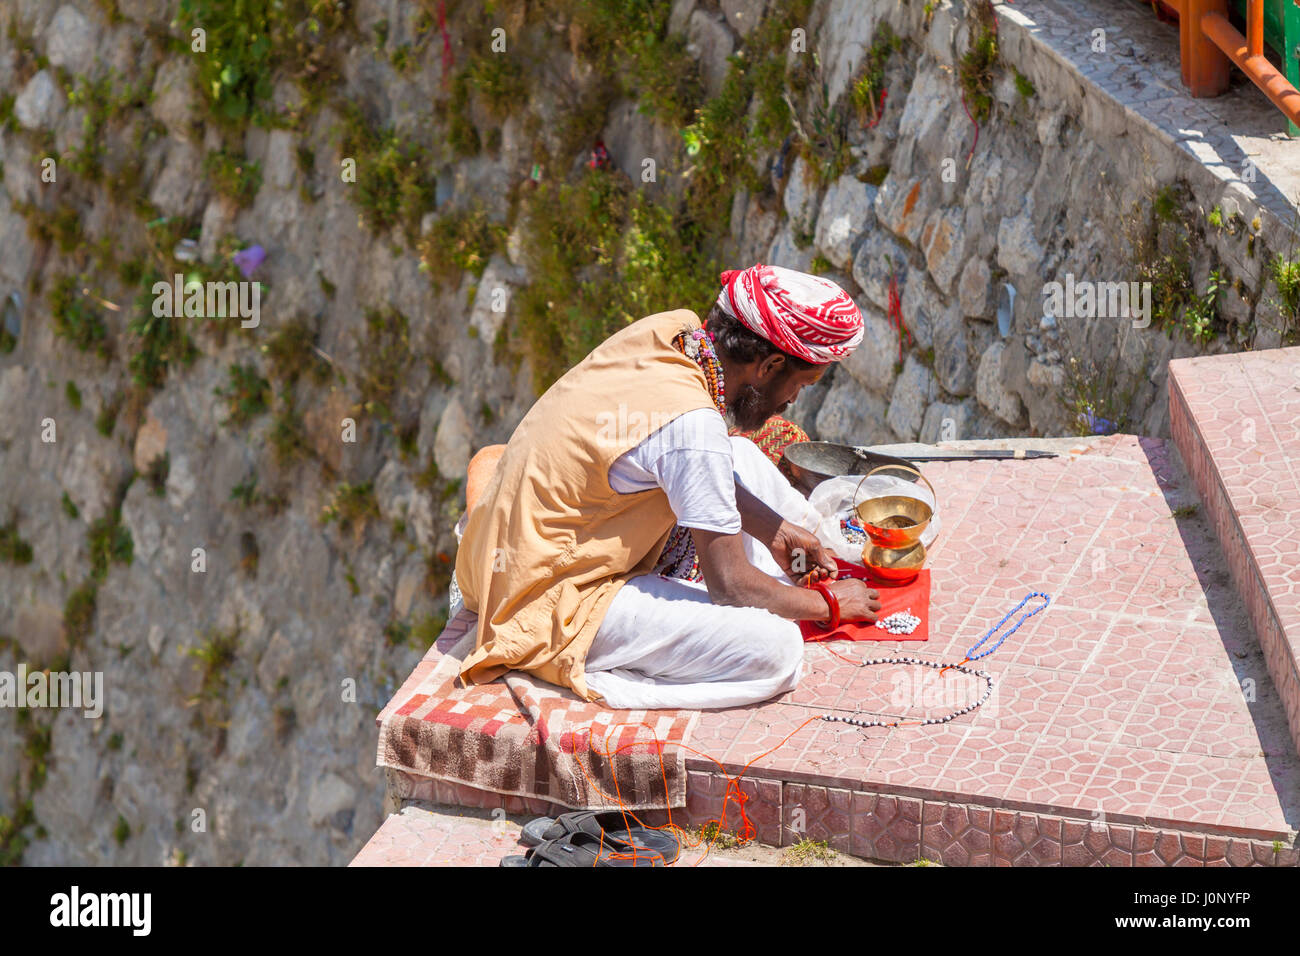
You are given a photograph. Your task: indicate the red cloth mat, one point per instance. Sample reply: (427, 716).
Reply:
(915, 595)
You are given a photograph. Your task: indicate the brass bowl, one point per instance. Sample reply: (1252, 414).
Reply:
(895, 522)
(896, 565)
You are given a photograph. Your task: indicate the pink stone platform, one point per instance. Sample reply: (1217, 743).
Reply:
(1237, 420)
(1136, 721)
(422, 834)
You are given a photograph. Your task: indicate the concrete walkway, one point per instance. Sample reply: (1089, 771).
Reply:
(1140, 70)
(1134, 722)
(424, 834)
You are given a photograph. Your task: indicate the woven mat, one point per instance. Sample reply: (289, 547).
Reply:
(525, 737)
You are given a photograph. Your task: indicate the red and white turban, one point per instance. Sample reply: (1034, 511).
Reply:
(800, 314)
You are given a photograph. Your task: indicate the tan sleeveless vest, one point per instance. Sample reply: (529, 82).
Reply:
(549, 543)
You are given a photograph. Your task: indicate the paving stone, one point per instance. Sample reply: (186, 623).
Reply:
(1233, 125)
(974, 289)
(801, 199)
(914, 389)
(40, 104)
(873, 363)
(952, 365)
(709, 41)
(853, 416)
(944, 241)
(903, 204)
(993, 395)
(879, 258)
(1227, 414)
(844, 219)
(1019, 252)
(1091, 752)
(1084, 669)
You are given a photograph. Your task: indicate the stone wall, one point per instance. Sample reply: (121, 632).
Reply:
(1053, 184)
(247, 691)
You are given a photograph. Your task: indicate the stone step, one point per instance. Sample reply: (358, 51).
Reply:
(1236, 421)
(1133, 722)
(424, 834)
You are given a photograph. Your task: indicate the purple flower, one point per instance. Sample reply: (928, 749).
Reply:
(1099, 425)
(249, 259)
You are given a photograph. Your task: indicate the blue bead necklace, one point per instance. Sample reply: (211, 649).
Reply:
(972, 656)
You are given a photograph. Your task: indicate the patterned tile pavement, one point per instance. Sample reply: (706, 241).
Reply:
(425, 834)
(1132, 722)
(1136, 721)
(419, 837)
(1236, 419)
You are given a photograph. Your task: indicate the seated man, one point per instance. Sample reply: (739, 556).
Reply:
(621, 481)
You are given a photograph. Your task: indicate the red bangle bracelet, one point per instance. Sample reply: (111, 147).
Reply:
(832, 601)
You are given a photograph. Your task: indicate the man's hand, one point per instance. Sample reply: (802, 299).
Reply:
(801, 555)
(797, 551)
(733, 581)
(857, 601)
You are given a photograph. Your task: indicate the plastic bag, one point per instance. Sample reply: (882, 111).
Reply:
(834, 499)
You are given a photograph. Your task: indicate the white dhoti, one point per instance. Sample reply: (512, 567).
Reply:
(663, 644)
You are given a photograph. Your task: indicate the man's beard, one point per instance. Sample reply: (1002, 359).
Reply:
(748, 410)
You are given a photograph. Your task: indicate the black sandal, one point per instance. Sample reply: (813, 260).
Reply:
(612, 824)
(583, 849)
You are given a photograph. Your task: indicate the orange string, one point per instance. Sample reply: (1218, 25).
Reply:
(964, 660)
(640, 854)
(733, 791)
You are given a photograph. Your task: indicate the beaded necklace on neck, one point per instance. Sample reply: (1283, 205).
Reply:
(698, 345)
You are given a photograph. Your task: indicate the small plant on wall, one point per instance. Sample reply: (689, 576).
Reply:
(1286, 276)
(975, 71)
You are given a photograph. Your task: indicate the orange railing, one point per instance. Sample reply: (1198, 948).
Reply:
(1210, 44)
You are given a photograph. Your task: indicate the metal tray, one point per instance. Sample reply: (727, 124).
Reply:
(809, 463)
